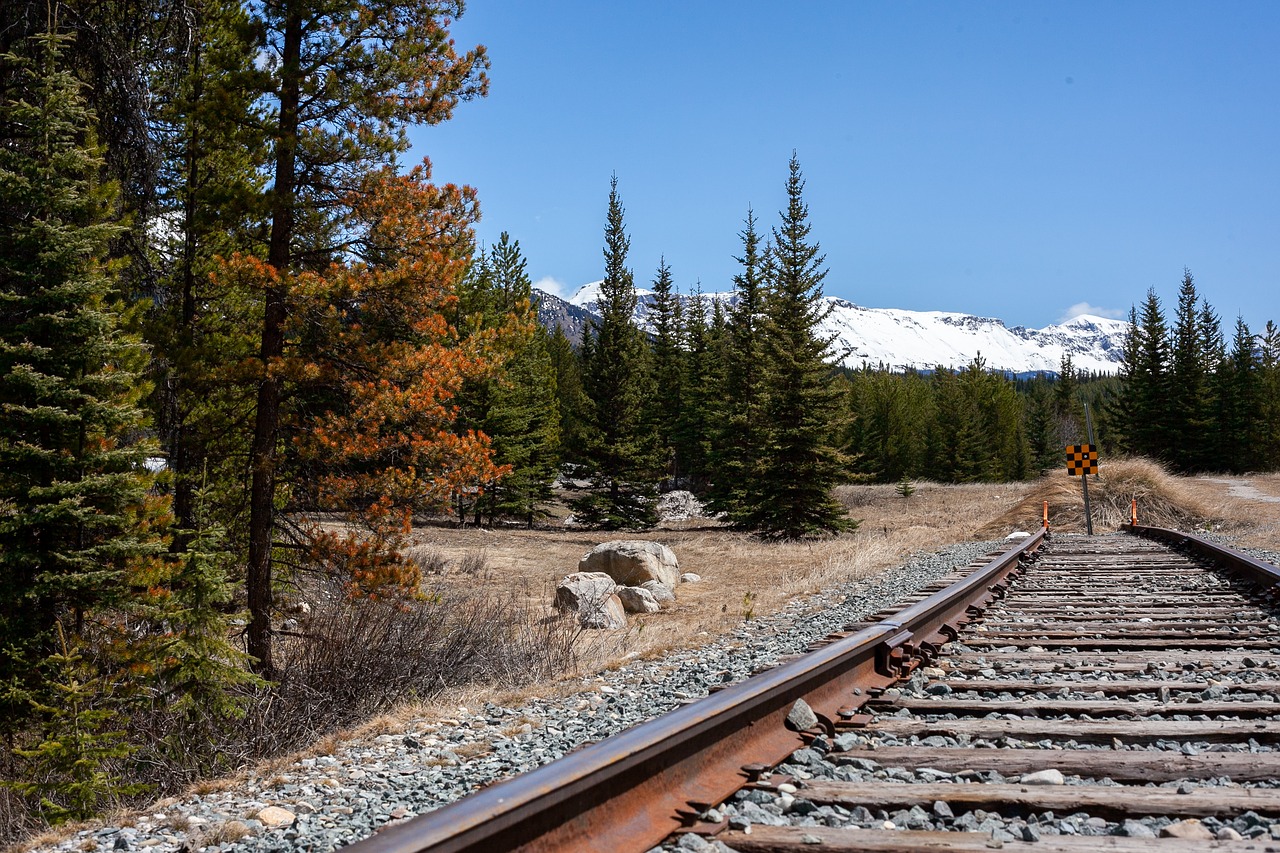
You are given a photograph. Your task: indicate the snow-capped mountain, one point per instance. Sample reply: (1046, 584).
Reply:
(924, 340)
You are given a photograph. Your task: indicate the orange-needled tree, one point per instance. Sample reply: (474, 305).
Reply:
(343, 80)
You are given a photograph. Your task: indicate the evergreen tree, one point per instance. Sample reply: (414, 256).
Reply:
(788, 493)
(1187, 414)
(1068, 414)
(76, 516)
(70, 768)
(1041, 429)
(523, 419)
(1148, 384)
(668, 367)
(1238, 393)
(738, 415)
(619, 451)
(698, 385)
(571, 402)
(1269, 409)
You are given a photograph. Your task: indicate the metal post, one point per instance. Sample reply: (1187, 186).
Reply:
(1088, 427)
(1088, 516)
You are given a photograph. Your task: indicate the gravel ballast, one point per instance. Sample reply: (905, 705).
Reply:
(325, 802)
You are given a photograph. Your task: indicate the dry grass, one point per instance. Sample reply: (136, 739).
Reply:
(1163, 500)
(742, 575)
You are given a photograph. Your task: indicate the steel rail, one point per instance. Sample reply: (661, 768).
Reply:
(1262, 573)
(634, 789)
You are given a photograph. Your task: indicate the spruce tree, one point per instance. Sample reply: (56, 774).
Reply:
(523, 419)
(738, 414)
(1238, 393)
(1148, 383)
(788, 493)
(698, 387)
(620, 447)
(1269, 394)
(668, 367)
(76, 516)
(1188, 382)
(571, 403)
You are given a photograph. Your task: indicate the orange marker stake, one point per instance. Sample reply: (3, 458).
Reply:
(1133, 512)
(1046, 515)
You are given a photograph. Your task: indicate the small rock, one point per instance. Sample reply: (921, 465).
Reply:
(661, 592)
(1227, 833)
(274, 816)
(1052, 776)
(801, 717)
(1136, 829)
(637, 600)
(809, 838)
(690, 577)
(693, 843)
(1190, 829)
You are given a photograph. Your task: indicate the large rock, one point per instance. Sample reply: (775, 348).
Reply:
(632, 562)
(637, 600)
(591, 596)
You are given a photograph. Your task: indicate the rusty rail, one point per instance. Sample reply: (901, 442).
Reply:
(634, 789)
(1263, 574)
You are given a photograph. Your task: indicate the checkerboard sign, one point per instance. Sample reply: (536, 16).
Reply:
(1081, 459)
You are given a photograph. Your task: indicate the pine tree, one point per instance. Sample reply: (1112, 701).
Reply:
(1042, 435)
(1238, 392)
(77, 519)
(1148, 383)
(1186, 405)
(668, 367)
(1068, 414)
(1269, 393)
(523, 419)
(698, 385)
(343, 78)
(736, 439)
(789, 489)
(70, 766)
(619, 450)
(571, 402)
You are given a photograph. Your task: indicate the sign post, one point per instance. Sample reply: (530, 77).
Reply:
(1082, 460)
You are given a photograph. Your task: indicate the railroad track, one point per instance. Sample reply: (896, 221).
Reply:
(1085, 693)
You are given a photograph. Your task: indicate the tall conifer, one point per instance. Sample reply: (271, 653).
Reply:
(620, 447)
(796, 463)
(76, 517)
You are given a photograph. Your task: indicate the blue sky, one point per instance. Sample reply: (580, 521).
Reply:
(1014, 160)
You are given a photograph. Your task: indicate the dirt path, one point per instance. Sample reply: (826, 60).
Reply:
(1244, 488)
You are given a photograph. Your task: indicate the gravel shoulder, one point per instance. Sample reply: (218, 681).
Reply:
(322, 802)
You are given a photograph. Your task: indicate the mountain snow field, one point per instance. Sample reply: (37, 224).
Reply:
(924, 340)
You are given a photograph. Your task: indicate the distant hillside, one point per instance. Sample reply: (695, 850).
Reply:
(554, 311)
(901, 339)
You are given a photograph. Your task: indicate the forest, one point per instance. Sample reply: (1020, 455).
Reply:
(245, 346)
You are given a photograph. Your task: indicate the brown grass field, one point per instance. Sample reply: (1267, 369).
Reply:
(743, 575)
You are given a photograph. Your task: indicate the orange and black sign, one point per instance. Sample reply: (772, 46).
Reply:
(1081, 459)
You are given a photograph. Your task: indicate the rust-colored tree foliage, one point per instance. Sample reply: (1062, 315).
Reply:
(393, 363)
(374, 363)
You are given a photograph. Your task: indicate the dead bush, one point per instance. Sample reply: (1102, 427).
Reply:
(1163, 500)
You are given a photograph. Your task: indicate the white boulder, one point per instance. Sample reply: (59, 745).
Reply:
(637, 600)
(632, 562)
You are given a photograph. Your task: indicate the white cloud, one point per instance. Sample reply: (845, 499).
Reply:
(555, 287)
(1093, 311)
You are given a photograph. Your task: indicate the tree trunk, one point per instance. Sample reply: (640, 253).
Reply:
(267, 418)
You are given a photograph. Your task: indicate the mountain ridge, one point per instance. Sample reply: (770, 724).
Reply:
(900, 339)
